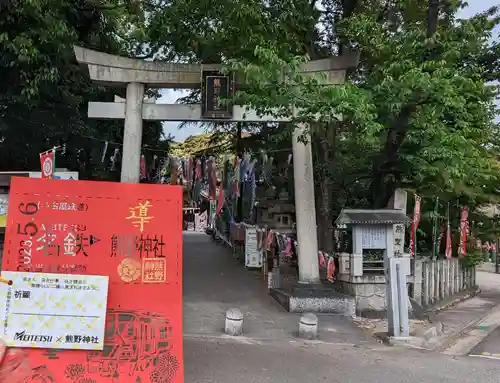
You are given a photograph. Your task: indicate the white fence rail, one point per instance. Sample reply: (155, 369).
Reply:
(436, 280)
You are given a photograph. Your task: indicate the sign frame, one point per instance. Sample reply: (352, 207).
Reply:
(209, 78)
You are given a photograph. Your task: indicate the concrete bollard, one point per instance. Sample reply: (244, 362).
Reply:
(308, 326)
(234, 322)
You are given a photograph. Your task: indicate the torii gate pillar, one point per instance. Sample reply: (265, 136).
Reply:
(132, 135)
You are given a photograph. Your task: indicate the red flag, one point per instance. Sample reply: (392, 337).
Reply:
(330, 270)
(48, 163)
(448, 250)
(269, 240)
(220, 202)
(464, 229)
(287, 252)
(417, 214)
(321, 259)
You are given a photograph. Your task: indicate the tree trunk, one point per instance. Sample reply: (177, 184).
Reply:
(385, 178)
(324, 197)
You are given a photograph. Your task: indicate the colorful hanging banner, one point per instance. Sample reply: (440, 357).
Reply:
(220, 202)
(464, 229)
(330, 270)
(414, 225)
(48, 163)
(435, 223)
(448, 248)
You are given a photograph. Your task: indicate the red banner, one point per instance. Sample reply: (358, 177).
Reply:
(330, 270)
(48, 164)
(417, 214)
(220, 201)
(464, 230)
(448, 248)
(129, 232)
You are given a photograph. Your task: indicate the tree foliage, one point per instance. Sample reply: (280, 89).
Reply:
(44, 93)
(416, 113)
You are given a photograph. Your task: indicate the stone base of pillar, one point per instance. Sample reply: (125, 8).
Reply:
(315, 298)
(312, 289)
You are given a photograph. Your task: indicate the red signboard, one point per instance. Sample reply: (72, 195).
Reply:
(129, 232)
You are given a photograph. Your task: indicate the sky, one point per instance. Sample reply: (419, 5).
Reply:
(170, 96)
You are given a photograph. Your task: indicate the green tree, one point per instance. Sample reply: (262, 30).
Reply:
(44, 93)
(416, 113)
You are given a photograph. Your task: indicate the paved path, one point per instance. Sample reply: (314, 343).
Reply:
(210, 361)
(476, 315)
(490, 346)
(215, 281)
(269, 352)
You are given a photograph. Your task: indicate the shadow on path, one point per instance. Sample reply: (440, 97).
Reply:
(214, 281)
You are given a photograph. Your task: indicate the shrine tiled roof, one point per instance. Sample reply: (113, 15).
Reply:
(367, 216)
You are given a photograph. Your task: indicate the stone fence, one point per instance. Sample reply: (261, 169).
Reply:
(436, 280)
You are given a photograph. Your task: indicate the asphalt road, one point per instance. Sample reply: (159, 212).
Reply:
(221, 361)
(269, 352)
(489, 347)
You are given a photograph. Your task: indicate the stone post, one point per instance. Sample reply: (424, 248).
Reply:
(132, 136)
(417, 280)
(392, 298)
(404, 326)
(308, 326)
(234, 322)
(305, 209)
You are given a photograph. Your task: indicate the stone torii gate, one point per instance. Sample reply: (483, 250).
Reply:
(137, 75)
